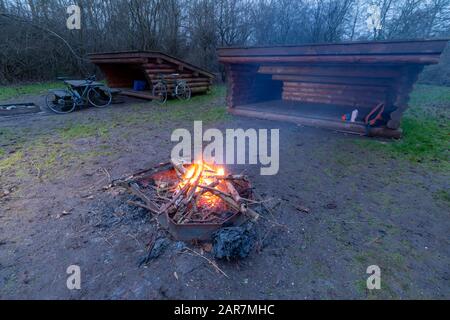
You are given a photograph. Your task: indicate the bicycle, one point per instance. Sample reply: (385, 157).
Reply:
(181, 89)
(78, 93)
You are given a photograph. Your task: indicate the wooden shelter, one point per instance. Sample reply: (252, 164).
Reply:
(122, 69)
(318, 83)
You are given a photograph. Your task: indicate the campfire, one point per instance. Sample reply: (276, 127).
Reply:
(192, 200)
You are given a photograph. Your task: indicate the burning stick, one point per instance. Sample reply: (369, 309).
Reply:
(194, 183)
(175, 200)
(231, 177)
(233, 204)
(214, 190)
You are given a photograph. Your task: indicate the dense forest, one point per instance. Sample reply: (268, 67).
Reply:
(35, 43)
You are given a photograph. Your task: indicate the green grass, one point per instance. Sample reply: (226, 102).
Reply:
(48, 155)
(426, 129)
(9, 92)
(442, 195)
(6, 136)
(425, 95)
(200, 107)
(9, 162)
(44, 155)
(390, 262)
(215, 92)
(76, 131)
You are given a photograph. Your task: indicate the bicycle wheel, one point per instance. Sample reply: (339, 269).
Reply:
(99, 97)
(160, 93)
(183, 91)
(60, 103)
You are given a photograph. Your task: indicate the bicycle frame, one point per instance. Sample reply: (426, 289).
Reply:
(80, 99)
(164, 81)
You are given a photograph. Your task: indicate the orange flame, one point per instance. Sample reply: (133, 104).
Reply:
(207, 174)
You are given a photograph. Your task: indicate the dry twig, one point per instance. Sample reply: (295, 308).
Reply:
(211, 262)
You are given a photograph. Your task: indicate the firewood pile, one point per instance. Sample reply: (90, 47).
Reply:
(192, 194)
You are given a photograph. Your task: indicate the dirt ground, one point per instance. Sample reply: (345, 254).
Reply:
(363, 208)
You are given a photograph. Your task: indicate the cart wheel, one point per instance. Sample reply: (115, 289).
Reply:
(59, 104)
(183, 91)
(99, 97)
(160, 93)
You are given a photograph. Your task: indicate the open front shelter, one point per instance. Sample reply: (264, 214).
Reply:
(319, 83)
(123, 69)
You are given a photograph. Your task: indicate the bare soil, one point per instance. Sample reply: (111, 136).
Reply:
(341, 209)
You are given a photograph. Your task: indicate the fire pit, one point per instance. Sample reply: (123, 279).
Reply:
(192, 201)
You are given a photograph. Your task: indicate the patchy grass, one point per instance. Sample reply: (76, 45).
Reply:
(426, 129)
(391, 263)
(9, 92)
(11, 161)
(7, 137)
(76, 131)
(191, 112)
(426, 140)
(47, 155)
(200, 107)
(216, 91)
(442, 195)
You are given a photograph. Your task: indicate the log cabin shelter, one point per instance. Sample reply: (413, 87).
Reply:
(318, 84)
(123, 69)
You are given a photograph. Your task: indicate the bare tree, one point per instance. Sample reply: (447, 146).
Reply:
(36, 45)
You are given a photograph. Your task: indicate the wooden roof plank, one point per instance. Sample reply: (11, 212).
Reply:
(130, 56)
(363, 59)
(418, 47)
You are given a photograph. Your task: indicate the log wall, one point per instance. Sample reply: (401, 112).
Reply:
(363, 87)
